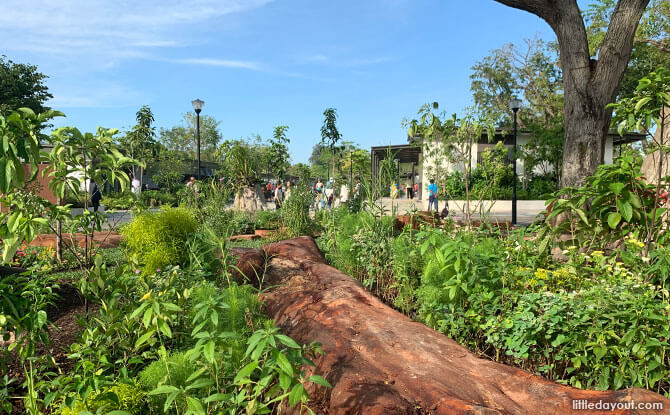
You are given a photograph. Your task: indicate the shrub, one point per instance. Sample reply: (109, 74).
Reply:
(173, 370)
(120, 201)
(295, 212)
(153, 198)
(130, 399)
(156, 240)
(267, 219)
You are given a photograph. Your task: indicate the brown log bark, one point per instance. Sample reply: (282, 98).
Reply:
(589, 85)
(380, 362)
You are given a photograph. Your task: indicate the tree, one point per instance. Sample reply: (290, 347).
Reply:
(449, 139)
(645, 110)
(355, 161)
(589, 84)
(278, 156)
(318, 161)
(140, 141)
(182, 138)
(22, 86)
(330, 136)
(532, 72)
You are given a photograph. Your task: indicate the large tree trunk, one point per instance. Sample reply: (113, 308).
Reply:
(589, 85)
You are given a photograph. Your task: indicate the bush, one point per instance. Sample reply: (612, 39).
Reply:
(120, 201)
(295, 212)
(130, 399)
(156, 240)
(267, 219)
(154, 198)
(173, 370)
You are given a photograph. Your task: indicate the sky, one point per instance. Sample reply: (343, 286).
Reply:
(260, 63)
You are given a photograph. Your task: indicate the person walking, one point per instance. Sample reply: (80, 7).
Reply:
(394, 191)
(432, 195)
(279, 196)
(287, 192)
(318, 188)
(329, 192)
(96, 197)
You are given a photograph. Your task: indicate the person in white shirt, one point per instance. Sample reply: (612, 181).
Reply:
(279, 196)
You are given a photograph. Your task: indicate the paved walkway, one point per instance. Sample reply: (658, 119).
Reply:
(527, 210)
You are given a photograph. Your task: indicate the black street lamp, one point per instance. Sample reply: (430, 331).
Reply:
(514, 105)
(197, 106)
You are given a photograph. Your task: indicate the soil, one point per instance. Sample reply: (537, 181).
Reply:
(100, 239)
(63, 331)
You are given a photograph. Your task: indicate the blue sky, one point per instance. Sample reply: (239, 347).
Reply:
(260, 63)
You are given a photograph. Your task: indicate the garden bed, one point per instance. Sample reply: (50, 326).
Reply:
(380, 362)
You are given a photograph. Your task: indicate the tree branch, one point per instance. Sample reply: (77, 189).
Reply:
(615, 51)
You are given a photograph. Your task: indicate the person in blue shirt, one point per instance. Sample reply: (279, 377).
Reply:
(432, 195)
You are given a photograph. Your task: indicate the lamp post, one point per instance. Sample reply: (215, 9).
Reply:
(197, 106)
(514, 105)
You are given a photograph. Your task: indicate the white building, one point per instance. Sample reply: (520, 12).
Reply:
(416, 166)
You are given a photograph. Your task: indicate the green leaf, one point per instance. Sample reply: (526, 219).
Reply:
(626, 209)
(296, 394)
(613, 219)
(209, 351)
(617, 188)
(144, 338)
(284, 364)
(245, 372)
(41, 318)
(164, 328)
(164, 389)
(287, 341)
(319, 380)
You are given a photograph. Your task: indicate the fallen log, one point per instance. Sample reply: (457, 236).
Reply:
(378, 361)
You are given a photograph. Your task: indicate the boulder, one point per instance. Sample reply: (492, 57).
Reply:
(649, 167)
(249, 199)
(416, 220)
(249, 266)
(379, 361)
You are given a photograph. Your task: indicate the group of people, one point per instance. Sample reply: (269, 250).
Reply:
(325, 194)
(411, 191)
(277, 193)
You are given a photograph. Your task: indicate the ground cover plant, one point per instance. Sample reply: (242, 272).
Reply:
(591, 310)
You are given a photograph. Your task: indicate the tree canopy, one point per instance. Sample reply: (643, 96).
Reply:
(21, 85)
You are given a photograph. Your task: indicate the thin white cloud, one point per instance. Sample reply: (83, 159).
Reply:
(100, 95)
(219, 62)
(118, 29)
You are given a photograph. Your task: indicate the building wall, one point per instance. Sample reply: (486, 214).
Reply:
(427, 162)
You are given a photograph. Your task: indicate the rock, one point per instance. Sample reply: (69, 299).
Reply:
(558, 256)
(378, 361)
(265, 233)
(250, 200)
(650, 167)
(249, 266)
(416, 220)
(244, 237)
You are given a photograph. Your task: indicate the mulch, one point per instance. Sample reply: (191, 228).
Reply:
(106, 239)
(63, 331)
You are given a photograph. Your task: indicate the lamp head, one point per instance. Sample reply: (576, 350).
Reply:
(197, 105)
(515, 104)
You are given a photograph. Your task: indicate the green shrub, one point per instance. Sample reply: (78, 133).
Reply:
(156, 240)
(173, 370)
(267, 219)
(295, 212)
(130, 399)
(120, 201)
(153, 198)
